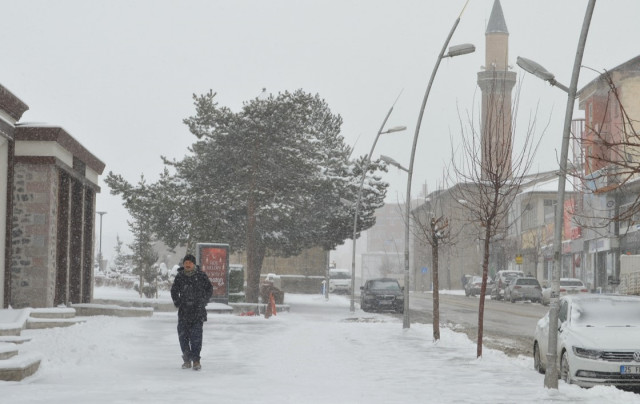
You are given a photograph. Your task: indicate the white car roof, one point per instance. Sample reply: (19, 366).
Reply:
(599, 296)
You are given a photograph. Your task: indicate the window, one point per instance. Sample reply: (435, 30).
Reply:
(527, 281)
(528, 216)
(627, 212)
(549, 210)
(564, 311)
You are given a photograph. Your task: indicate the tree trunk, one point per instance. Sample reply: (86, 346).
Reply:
(436, 295)
(255, 255)
(253, 270)
(483, 289)
(254, 265)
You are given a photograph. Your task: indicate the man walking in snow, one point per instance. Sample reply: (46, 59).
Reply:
(190, 292)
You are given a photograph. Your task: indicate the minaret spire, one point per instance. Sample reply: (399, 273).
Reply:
(496, 83)
(496, 21)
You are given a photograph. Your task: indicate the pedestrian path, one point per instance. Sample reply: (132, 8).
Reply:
(317, 353)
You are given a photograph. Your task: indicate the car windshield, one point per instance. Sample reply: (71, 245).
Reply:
(386, 285)
(340, 275)
(606, 312)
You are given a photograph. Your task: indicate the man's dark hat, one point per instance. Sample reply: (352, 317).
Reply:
(189, 257)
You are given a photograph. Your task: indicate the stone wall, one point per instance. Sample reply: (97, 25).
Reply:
(309, 262)
(34, 235)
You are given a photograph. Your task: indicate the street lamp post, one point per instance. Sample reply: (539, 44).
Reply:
(453, 51)
(100, 245)
(551, 374)
(365, 168)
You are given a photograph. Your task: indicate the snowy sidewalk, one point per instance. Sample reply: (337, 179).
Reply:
(317, 353)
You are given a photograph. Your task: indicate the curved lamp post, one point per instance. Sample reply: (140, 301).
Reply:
(453, 51)
(551, 375)
(365, 169)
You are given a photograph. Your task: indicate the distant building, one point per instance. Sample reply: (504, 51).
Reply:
(384, 256)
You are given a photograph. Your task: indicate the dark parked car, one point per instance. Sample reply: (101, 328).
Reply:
(382, 294)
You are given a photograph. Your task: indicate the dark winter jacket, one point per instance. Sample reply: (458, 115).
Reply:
(190, 294)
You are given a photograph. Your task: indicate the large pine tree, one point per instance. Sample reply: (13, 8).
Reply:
(271, 177)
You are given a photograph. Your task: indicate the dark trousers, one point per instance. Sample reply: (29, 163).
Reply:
(190, 337)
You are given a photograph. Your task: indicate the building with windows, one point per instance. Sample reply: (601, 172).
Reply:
(611, 170)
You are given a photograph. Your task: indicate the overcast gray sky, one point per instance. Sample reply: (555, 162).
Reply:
(118, 75)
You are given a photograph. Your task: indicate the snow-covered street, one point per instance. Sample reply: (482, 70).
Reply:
(318, 352)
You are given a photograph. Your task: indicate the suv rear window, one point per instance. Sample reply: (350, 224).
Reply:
(527, 281)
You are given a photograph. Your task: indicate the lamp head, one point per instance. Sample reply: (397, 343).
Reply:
(395, 129)
(392, 162)
(461, 49)
(534, 68)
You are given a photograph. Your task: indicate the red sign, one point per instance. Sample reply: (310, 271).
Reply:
(214, 261)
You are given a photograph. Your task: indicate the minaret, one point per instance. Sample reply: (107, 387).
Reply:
(496, 83)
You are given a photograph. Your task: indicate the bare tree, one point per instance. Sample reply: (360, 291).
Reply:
(432, 228)
(489, 176)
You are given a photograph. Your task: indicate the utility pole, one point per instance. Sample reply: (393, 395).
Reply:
(100, 245)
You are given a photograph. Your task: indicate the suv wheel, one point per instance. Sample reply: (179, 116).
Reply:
(565, 370)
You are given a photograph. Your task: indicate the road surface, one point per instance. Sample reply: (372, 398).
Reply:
(507, 326)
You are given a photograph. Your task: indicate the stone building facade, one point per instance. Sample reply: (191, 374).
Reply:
(55, 182)
(11, 110)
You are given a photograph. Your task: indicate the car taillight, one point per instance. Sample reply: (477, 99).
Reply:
(583, 290)
(563, 290)
(517, 287)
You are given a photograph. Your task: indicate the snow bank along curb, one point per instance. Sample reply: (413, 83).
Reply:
(87, 309)
(14, 365)
(214, 308)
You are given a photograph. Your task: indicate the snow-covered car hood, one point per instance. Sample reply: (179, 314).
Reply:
(604, 338)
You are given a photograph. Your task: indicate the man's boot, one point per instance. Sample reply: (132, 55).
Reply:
(187, 362)
(196, 365)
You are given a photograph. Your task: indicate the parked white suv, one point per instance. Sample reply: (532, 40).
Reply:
(339, 281)
(501, 281)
